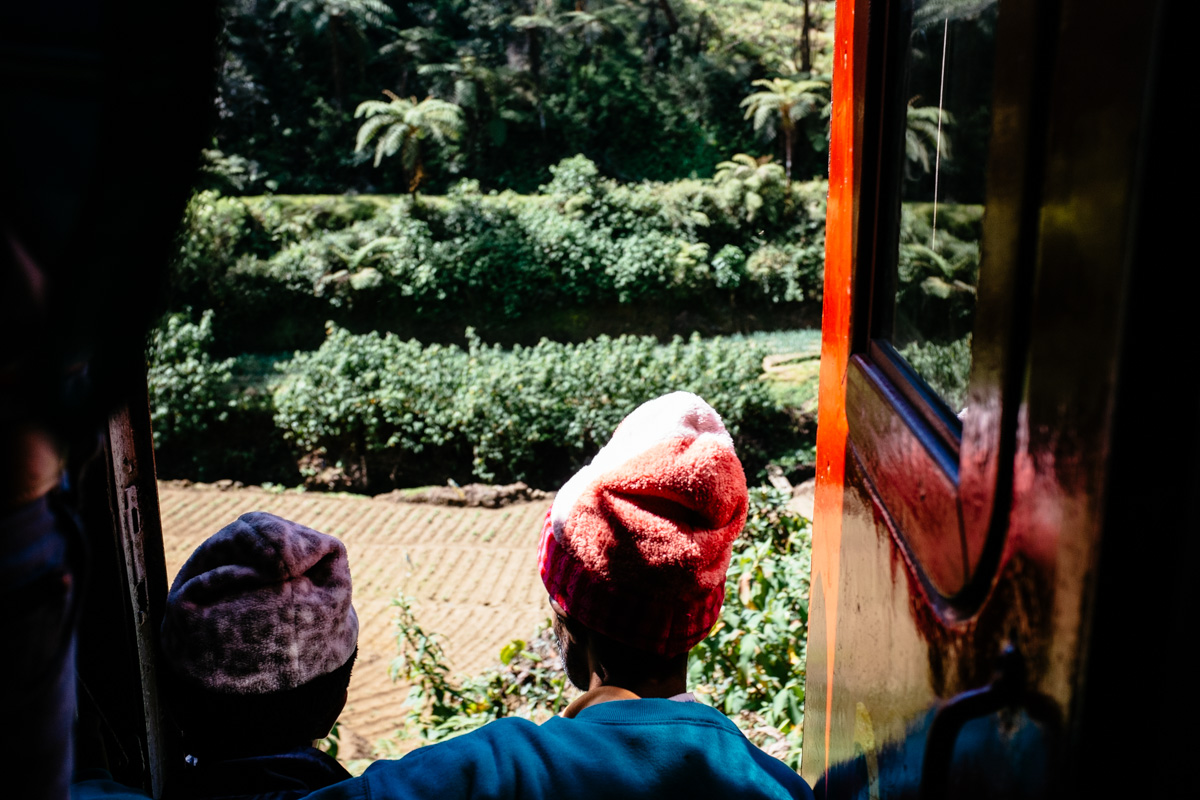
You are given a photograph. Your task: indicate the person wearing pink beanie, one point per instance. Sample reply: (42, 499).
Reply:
(635, 549)
(633, 555)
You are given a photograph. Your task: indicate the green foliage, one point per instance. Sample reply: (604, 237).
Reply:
(742, 240)
(937, 272)
(232, 174)
(189, 390)
(754, 185)
(374, 412)
(211, 417)
(400, 125)
(788, 104)
(528, 682)
(945, 367)
(537, 81)
(751, 666)
(927, 131)
(392, 412)
(935, 298)
(770, 30)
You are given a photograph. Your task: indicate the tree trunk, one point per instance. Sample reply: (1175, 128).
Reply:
(339, 92)
(417, 178)
(533, 50)
(672, 20)
(789, 141)
(805, 43)
(652, 35)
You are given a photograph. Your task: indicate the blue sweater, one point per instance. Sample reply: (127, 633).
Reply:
(619, 749)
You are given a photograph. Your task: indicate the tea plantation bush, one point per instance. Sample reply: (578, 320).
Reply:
(189, 389)
(751, 667)
(212, 418)
(374, 411)
(504, 262)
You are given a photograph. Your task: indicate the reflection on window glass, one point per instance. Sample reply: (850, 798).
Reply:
(948, 94)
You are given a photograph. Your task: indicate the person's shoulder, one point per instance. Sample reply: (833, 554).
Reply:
(446, 769)
(712, 742)
(654, 711)
(793, 785)
(98, 783)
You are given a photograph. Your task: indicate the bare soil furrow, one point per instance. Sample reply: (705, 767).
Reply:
(383, 524)
(524, 526)
(490, 579)
(443, 579)
(347, 518)
(203, 516)
(448, 526)
(427, 525)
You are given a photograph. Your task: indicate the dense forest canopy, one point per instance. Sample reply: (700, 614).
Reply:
(646, 89)
(393, 184)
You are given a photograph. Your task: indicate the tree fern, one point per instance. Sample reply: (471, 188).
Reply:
(922, 134)
(401, 124)
(790, 102)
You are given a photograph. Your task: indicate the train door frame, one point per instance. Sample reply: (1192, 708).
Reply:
(122, 720)
(1052, 379)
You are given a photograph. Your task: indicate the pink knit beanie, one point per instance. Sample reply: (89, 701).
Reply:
(637, 543)
(262, 606)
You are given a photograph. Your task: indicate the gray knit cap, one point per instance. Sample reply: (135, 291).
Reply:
(262, 606)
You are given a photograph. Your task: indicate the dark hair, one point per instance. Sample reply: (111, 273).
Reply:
(622, 662)
(618, 658)
(223, 725)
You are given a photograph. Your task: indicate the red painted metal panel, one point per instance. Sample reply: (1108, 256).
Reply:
(849, 80)
(917, 493)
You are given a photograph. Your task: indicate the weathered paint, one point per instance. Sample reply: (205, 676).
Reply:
(840, 240)
(896, 651)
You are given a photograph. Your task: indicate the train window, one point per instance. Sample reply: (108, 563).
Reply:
(946, 105)
(929, 319)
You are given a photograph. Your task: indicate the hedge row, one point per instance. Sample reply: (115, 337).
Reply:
(746, 239)
(371, 412)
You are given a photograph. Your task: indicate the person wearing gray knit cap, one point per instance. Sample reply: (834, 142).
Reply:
(258, 639)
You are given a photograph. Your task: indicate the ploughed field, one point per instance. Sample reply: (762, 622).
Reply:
(472, 571)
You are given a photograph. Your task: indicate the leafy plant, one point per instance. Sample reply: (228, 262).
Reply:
(787, 103)
(189, 389)
(538, 81)
(938, 273)
(390, 410)
(338, 23)
(528, 681)
(400, 126)
(505, 263)
(945, 367)
(752, 665)
(750, 183)
(927, 129)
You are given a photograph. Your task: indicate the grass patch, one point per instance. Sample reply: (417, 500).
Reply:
(794, 384)
(792, 366)
(802, 341)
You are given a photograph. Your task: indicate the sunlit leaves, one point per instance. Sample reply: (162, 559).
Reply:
(532, 413)
(401, 124)
(752, 665)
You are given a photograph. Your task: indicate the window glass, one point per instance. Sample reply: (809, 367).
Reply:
(947, 97)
